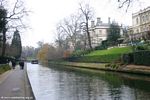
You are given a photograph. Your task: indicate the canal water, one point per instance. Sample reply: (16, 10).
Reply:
(65, 83)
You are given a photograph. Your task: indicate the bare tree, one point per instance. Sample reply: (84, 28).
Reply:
(70, 27)
(88, 13)
(40, 44)
(13, 19)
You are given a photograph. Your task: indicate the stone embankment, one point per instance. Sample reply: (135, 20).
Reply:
(135, 69)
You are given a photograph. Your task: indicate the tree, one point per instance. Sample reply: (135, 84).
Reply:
(11, 18)
(29, 52)
(40, 44)
(3, 29)
(47, 52)
(16, 45)
(113, 34)
(87, 12)
(43, 53)
(59, 38)
(70, 27)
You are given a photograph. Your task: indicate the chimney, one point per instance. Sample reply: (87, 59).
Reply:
(92, 24)
(98, 21)
(108, 20)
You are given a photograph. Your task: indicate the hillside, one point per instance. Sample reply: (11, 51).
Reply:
(110, 51)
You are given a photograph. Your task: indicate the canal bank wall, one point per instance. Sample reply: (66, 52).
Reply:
(133, 69)
(29, 90)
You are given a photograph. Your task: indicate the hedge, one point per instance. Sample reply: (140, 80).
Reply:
(96, 59)
(4, 60)
(127, 58)
(138, 58)
(142, 58)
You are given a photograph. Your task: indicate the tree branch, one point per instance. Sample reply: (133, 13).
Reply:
(122, 3)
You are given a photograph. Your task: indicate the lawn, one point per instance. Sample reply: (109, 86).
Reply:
(111, 51)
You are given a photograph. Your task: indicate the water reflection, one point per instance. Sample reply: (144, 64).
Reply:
(61, 83)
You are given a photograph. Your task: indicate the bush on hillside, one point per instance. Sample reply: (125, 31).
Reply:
(143, 47)
(142, 58)
(100, 48)
(104, 45)
(137, 58)
(127, 58)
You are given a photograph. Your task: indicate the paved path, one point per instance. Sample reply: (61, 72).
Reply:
(14, 85)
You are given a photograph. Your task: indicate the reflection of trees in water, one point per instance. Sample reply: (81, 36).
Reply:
(80, 85)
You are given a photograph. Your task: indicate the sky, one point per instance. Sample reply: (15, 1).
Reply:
(47, 13)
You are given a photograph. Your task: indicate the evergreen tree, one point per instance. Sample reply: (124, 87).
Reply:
(3, 29)
(16, 45)
(113, 34)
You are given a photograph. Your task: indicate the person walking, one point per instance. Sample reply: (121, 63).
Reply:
(13, 64)
(21, 63)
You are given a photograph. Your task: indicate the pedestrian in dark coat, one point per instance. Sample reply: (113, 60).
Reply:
(21, 63)
(13, 64)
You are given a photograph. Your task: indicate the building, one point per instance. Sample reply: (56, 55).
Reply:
(99, 31)
(140, 23)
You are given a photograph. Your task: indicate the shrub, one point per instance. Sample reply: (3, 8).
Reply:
(142, 58)
(141, 48)
(4, 60)
(138, 58)
(127, 58)
(4, 68)
(102, 47)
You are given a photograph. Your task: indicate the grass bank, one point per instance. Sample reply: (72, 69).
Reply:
(111, 51)
(102, 56)
(4, 68)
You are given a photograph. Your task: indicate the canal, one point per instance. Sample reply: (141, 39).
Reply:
(65, 83)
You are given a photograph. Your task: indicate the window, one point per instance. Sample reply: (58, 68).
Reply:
(137, 21)
(99, 33)
(147, 18)
(143, 18)
(137, 31)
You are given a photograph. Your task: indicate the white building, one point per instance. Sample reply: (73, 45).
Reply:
(140, 23)
(99, 31)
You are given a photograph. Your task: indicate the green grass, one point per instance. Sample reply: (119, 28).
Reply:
(4, 68)
(111, 51)
(102, 56)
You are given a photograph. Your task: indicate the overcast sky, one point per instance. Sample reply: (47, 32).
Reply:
(47, 13)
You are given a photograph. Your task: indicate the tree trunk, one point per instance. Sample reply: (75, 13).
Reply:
(88, 34)
(4, 43)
